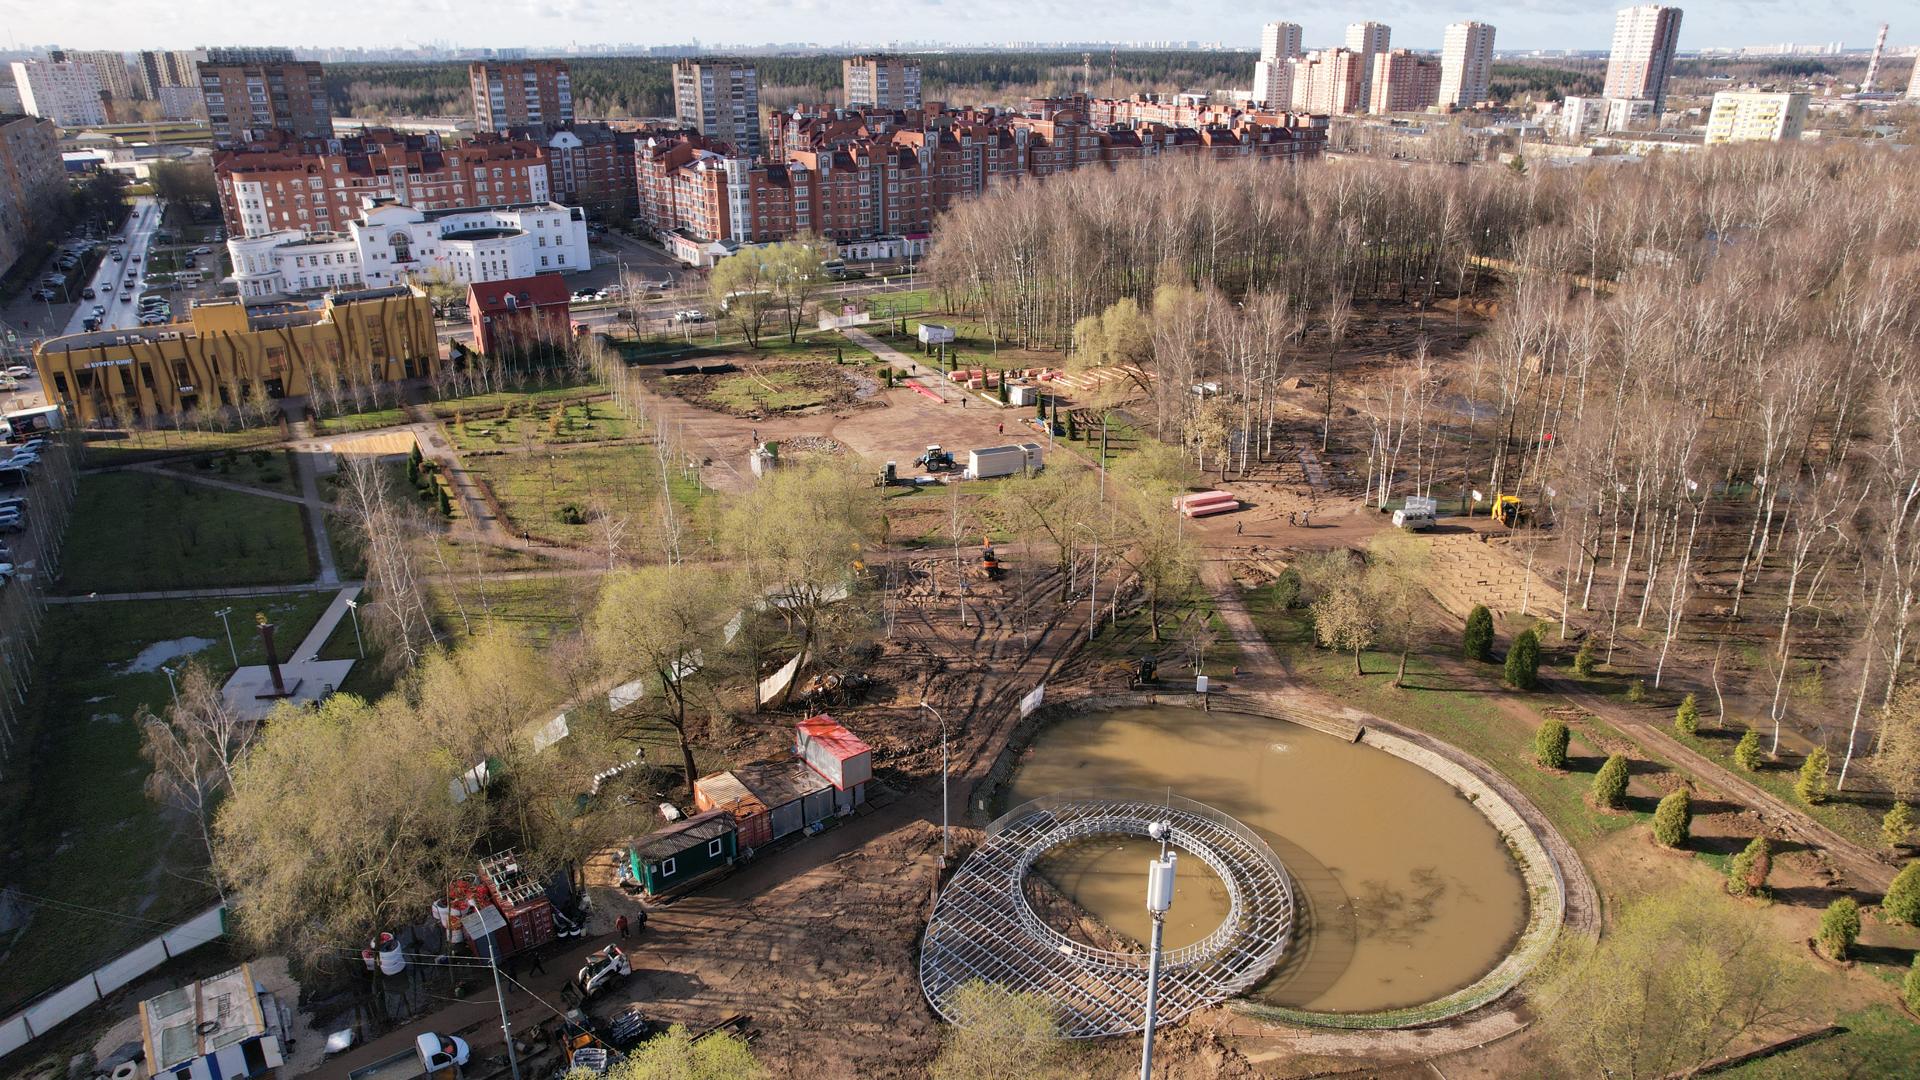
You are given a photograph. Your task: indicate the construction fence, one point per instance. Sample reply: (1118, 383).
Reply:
(58, 1006)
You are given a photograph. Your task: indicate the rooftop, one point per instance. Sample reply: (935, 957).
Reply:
(190, 1022)
(675, 839)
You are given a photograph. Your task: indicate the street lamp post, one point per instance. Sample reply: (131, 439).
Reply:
(231, 651)
(1159, 899)
(353, 609)
(171, 687)
(945, 847)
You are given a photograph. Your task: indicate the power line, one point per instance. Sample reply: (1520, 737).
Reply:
(100, 913)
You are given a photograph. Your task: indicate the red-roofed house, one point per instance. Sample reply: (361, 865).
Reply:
(524, 309)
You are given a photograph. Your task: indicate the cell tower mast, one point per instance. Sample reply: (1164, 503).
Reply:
(1873, 65)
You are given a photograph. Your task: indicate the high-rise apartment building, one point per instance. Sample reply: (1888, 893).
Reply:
(1744, 116)
(721, 100)
(156, 69)
(66, 92)
(249, 101)
(33, 182)
(116, 77)
(1273, 74)
(1644, 41)
(1369, 39)
(1466, 64)
(521, 93)
(1404, 81)
(880, 82)
(1279, 41)
(1330, 81)
(1273, 83)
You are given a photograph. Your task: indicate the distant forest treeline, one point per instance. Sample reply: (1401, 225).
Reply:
(636, 86)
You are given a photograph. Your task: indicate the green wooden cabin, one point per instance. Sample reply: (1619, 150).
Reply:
(682, 854)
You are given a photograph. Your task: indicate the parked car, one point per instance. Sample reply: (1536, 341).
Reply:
(35, 444)
(20, 371)
(45, 294)
(203, 250)
(16, 504)
(12, 524)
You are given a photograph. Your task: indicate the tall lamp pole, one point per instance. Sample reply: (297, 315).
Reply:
(235, 653)
(1159, 899)
(353, 609)
(944, 830)
(175, 690)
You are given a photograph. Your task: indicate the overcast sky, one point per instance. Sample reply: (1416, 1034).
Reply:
(549, 24)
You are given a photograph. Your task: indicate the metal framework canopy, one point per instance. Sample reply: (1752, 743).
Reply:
(983, 927)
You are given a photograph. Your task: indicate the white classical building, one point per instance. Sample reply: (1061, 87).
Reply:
(389, 244)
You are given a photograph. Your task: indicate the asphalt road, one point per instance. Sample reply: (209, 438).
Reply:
(111, 278)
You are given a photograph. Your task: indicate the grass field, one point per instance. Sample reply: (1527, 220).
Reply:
(536, 490)
(1848, 813)
(81, 830)
(770, 390)
(1878, 1042)
(106, 448)
(135, 531)
(271, 470)
(580, 422)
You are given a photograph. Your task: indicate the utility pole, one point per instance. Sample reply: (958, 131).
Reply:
(1159, 899)
(945, 832)
(235, 653)
(506, 1029)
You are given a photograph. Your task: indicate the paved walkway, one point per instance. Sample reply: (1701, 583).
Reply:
(310, 646)
(202, 594)
(925, 379)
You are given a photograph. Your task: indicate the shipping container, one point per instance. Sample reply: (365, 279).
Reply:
(833, 751)
(521, 899)
(991, 461)
(724, 791)
(783, 787)
(679, 856)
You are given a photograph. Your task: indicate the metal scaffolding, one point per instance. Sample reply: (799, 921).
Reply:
(983, 927)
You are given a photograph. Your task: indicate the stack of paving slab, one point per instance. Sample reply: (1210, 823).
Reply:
(1462, 571)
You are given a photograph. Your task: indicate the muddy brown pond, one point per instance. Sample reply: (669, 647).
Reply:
(1407, 891)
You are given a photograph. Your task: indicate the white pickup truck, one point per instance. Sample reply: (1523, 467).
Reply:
(433, 1057)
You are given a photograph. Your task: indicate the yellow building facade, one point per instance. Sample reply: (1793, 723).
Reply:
(227, 354)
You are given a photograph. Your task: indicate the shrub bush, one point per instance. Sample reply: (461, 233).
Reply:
(1610, 783)
(1812, 785)
(1523, 661)
(1902, 902)
(1746, 753)
(1686, 718)
(1286, 589)
(1672, 819)
(1897, 824)
(1839, 927)
(1550, 744)
(1584, 661)
(1911, 989)
(1747, 872)
(1637, 693)
(1477, 640)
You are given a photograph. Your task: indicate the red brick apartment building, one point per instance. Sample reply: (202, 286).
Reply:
(316, 186)
(856, 176)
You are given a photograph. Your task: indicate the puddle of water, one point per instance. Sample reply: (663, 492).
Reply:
(158, 653)
(1407, 891)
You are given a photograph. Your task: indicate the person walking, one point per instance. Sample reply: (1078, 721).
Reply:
(620, 927)
(1239, 527)
(538, 968)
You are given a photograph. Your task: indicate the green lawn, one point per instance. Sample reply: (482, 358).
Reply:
(269, 469)
(349, 423)
(1878, 1042)
(135, 531)
(580, 422)
(482, 404)
(80, 828)
(1857, 821)
(1131, 638)
(105, 448)
(537, 489)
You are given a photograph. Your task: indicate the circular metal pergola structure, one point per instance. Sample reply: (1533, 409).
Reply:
(983, 927)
